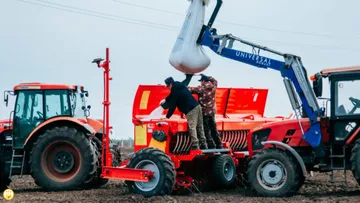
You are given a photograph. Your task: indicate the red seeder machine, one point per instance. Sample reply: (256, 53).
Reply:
(47, 139)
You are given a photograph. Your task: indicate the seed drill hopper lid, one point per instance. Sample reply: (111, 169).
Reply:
(229, 101)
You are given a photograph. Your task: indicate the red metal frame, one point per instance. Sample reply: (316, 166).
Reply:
(279, 133)
(183, 181)
(8, 123)
(252, 102)
(131, 174)
(106, 158)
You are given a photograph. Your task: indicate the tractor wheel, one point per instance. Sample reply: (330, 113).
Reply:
(4, 176)
(224, 170)
(63, 158)
(97, 181)
(273, 173)
(163, 181)
(301, 180)
(301, 175)
(355, 161)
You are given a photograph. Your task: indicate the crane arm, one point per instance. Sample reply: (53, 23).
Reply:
(292, 70)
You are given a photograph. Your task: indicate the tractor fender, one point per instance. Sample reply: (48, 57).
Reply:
(96, 125)
(292, 151)
(57, 121)
(353, 137)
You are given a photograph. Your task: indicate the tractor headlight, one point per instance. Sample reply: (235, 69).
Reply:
(260, 136)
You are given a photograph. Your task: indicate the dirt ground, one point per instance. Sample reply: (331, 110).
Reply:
(316, 189)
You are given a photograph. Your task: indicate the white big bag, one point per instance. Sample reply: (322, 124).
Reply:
(187, 56)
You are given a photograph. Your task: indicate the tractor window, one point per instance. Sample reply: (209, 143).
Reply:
(29, 106)
(65, 104)
(28, 115)
(77, 103)
(347, 98)
(57, 103)
(20, 104)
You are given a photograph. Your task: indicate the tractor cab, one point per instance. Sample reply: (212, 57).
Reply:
(36, 102)
(344, 99)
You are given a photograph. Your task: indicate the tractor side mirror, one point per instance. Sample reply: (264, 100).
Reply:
(317, 85)
(6, 99)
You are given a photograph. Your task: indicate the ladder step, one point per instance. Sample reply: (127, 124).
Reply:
(337, 156)
(18, 156)
(17, 153)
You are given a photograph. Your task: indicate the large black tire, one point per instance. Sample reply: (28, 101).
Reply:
(157, 161)
(75, 162)
(116, 154)
(300, 172)
(224, 170)
(301, 180)
(279, 178)
(4, 176)
(355, 161)
(97, 181)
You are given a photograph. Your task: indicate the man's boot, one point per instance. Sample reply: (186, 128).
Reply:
(218, 143)
(211, 143)
(211, 146)
(194, 146)
(203, 145)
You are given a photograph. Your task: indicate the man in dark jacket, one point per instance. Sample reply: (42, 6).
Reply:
(181, 97)
(207, 92)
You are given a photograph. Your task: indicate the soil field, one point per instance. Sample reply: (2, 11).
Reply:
(316, 189)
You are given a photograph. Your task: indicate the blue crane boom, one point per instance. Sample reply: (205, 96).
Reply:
(292, 70)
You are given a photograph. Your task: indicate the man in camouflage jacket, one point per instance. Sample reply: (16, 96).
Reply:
(207, 92)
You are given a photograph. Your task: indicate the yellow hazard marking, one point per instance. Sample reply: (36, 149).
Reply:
(144, 99)
(156, 144)
(8, 194)
(140, 135)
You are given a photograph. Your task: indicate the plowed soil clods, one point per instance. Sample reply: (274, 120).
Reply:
(316, 189)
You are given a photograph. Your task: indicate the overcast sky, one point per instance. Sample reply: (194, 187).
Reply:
(42, 43)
